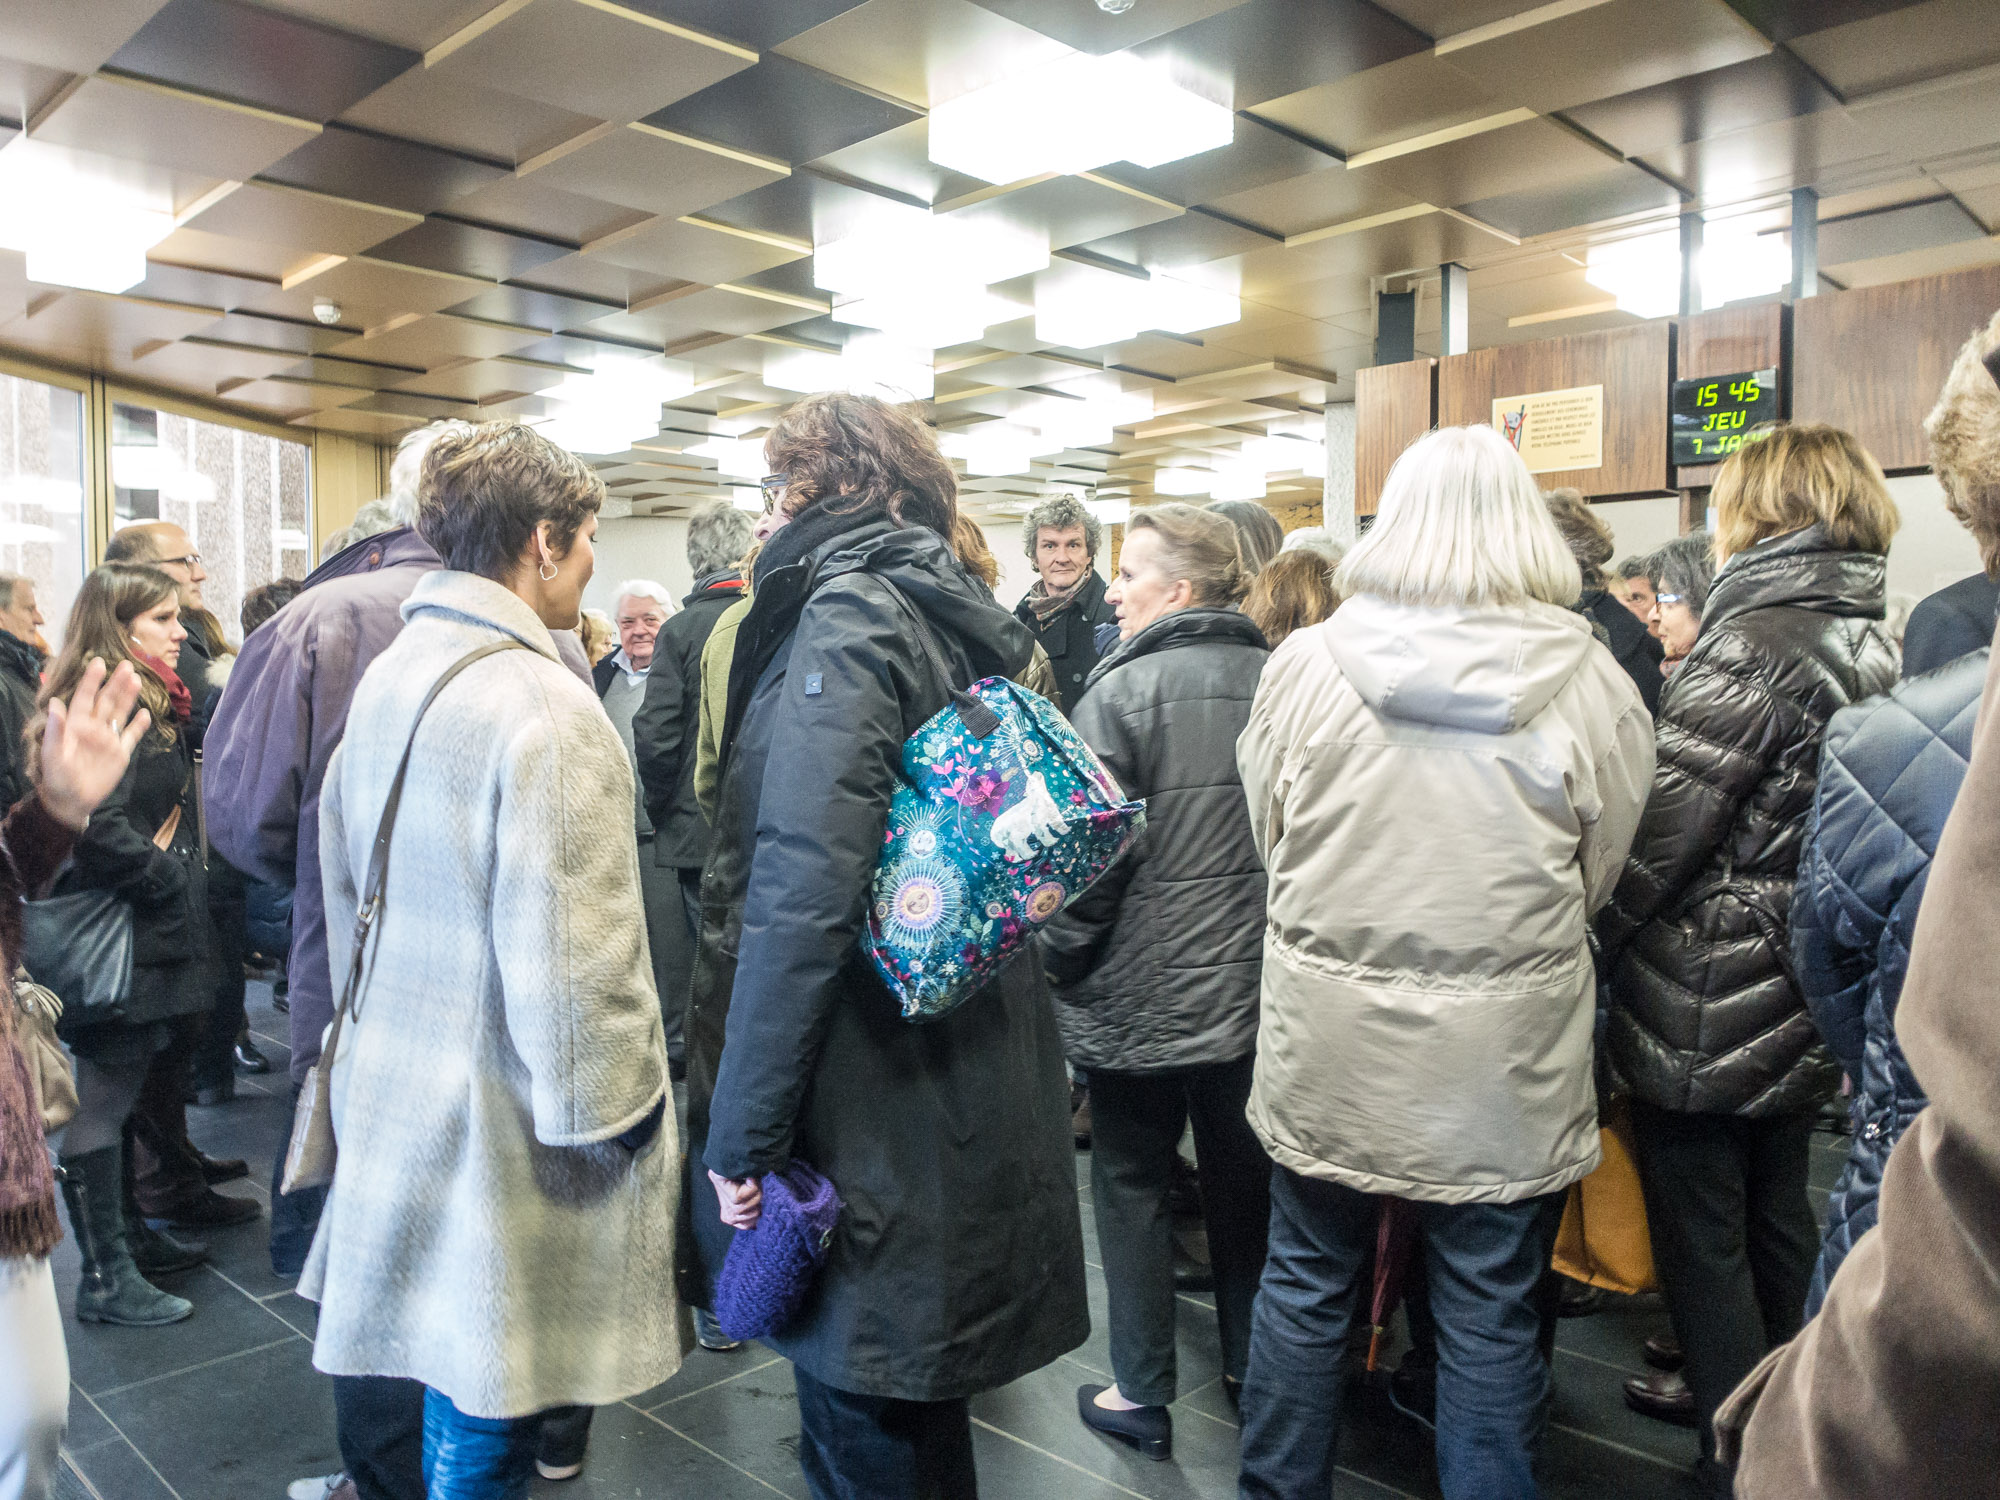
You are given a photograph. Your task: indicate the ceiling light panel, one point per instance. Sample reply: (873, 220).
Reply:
(1081, 307)
(1074, 115)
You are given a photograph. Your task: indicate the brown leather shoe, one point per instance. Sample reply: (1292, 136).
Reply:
(1662, 1395)
(1664, 1353)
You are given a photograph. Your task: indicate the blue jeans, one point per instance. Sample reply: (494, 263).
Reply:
(1483, 1260)
(476, 1458)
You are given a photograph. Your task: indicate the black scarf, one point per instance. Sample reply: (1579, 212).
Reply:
(792, 542)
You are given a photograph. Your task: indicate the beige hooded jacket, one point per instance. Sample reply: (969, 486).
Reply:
(1442, 796)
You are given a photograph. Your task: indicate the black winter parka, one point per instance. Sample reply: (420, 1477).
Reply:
(1070, 638)
(1887, 782)
(957, 1264)
(1705, 1017)
(668, 723)
(1160, 963)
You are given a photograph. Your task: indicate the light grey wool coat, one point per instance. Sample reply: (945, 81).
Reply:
(486, 1233)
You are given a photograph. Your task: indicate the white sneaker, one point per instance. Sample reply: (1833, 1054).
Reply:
(321, 1488)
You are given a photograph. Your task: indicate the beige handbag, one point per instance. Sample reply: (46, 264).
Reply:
(51, 1074)
(311, 1153)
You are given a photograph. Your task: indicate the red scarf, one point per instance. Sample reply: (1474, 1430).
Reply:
(178, 697)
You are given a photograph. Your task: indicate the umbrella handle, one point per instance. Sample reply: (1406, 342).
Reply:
(1375, 1347)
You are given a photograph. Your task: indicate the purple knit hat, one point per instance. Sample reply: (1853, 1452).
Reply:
(769, 1269)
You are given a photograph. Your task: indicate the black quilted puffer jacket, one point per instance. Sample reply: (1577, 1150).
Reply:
(1705, 1015)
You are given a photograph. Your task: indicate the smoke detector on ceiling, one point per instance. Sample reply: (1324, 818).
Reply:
(1114, 7)
(328, 311)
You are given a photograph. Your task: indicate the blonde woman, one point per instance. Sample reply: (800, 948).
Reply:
(1707, 1026)
(1443, 779)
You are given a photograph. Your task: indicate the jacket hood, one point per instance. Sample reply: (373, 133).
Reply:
(1488, 669)
(1800, 570)
(922, 565)
(727, 584)
(480, 601)
(1184, 627)
(397, 548)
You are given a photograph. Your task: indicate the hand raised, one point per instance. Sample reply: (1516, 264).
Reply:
(89, 742)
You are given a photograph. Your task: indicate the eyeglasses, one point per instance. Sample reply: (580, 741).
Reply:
(1667, 598)
(192, 560)
(774, 487)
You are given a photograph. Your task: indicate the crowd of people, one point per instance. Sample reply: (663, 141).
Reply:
(1456, 837)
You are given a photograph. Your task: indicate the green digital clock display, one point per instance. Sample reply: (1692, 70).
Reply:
(1714, 417)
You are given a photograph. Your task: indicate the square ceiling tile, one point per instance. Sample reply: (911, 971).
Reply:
(382, 426)
(443, 243)
(897, 163)
(526, 206)
(1191, 239)
(168, 127)
(923, 51)
(195, 250)
(1610, 49)
(1897, 231)
(676, 316)
(351, 163)
(1089, 29)
(260, 57)
(440, 339)
(288, 336)
(691, 251)
(426, 105)
(1069, 210)
(1313, 201)
(1803, 152)
(1266, 49)
(348, 374)
(483, 380)
(64, 35)
(196, 285)
(96, 329)
(416, 24)
(1530, 156)
(783, 110)
(804, 209)
(1398, 101)
(1775, 86)
(1610, 194)
(1257, 157)
(642, 167)
(369, 292)
(289, 398)
(530, 308)
(595, 280)
(26, 87)
(1941, 119)
(1903, 46)
(604, 61)
(762, 25)
(300, 220)
(1789, 20)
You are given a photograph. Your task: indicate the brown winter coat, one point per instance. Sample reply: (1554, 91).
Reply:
(1891, 1390)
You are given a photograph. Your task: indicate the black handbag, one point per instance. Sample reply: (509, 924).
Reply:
(80, 946)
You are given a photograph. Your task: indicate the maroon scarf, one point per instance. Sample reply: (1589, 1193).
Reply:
(178, 696)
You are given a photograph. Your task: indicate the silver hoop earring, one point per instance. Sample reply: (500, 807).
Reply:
(547, 571)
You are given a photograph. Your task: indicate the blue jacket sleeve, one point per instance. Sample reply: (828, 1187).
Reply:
(1835, 931)
(836, 742)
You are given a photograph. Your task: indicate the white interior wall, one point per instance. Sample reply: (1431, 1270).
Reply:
(1931, 549)
(1640, 526)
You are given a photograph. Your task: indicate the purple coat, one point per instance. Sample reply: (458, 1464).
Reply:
(280, 719)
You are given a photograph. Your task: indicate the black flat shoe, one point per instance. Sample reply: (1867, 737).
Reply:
(249, 1059)
(1662, 1353)
(1663, 1396)
(1150, 1429)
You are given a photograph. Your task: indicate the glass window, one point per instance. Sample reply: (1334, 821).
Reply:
(244, 499)
(41, 493)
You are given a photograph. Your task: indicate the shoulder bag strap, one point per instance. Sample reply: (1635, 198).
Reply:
(378, 860)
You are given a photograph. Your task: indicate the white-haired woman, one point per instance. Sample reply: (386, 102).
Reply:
(1443, 781)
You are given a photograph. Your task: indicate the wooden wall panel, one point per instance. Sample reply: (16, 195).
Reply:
(347, 473)
(1394, 405)
(1631, 365)
(1723, 342)
(1872, 360)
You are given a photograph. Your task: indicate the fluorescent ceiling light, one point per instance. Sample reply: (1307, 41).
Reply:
(930, 318)
(994, 448)
(1180, 481)
(899, 250)
(1283, 455)
(1644, 274)
(743, 457)
(1737, 262)
(1077, 114)
(1085, 423)
(1238, 481)
(1110, 512)
(751, 500)
(80, 220)
(870, 365)
(615, 405)
(581, 429)
(1080, 307)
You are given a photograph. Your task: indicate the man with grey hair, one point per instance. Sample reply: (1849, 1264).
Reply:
(664, 732)
(1066, 606)
(374, 518)
(21, 663)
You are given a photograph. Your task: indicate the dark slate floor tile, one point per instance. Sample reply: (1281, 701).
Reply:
(1614, 1338)
(1010, 1469)
(633, 1457)
(752, 1423)
(704, 1369)
(1576, 1466)
(86, 1423)
(1591, 1397)
(225, 1322)
(117, 1472)
(239, 1430)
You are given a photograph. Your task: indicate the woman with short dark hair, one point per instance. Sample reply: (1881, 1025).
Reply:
(957, 1264)
(500, 1223)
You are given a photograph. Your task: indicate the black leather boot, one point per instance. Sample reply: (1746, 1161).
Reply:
(112, 1290)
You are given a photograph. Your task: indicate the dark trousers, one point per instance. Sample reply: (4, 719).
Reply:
(214, 1061)
(1483, 1261)
(878, 1448)
(1733, 1239)
(378, 1421)
(1136, 1125)
(667, 938)
(294, 1216)
(166, 1171)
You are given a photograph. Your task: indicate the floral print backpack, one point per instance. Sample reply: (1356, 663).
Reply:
(1001, 818)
